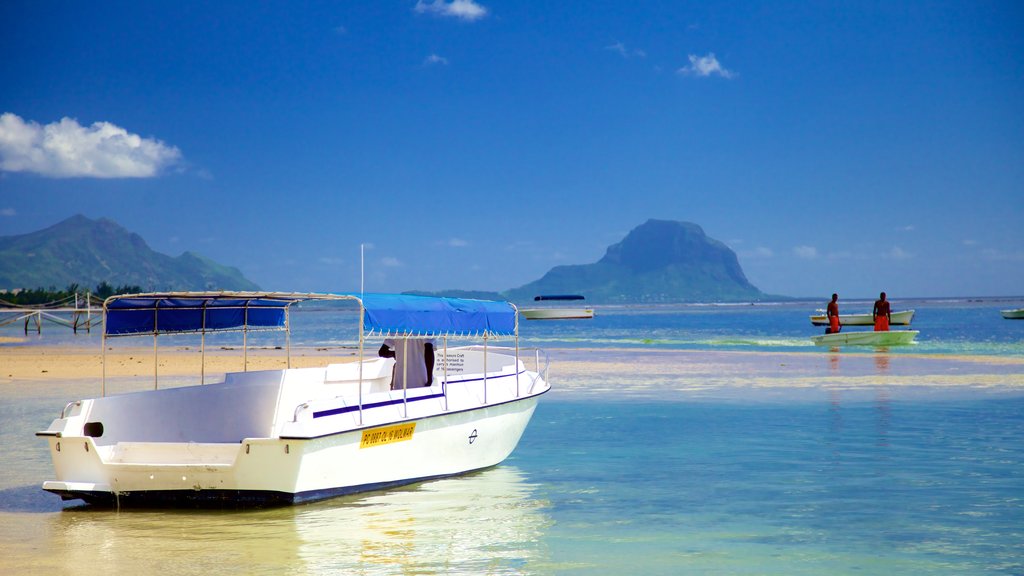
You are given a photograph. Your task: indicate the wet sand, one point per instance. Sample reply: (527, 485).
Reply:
(35, 363)
(579, 373)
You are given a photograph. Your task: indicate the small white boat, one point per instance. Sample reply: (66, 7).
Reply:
(1017, 314)
(274, 437)
(901, 318)
(557, 313)
(866, 338)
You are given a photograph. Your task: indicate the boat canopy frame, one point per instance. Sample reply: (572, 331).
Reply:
(380, 315)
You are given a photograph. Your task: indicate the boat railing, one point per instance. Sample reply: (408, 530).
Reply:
(63, 413)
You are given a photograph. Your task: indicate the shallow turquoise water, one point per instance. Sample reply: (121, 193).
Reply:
(835, 487)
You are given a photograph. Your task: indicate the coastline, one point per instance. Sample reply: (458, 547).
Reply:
(577, 373)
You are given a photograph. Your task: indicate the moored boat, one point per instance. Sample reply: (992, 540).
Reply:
(901, 318)
(293, 435)
(866, 338)
(557, 312)
(1016, 314)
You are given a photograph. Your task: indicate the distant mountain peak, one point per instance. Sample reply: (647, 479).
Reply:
(658, 261)
(83, 251)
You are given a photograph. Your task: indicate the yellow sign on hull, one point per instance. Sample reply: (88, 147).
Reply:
(387, 435)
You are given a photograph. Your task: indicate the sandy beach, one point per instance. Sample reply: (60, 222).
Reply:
(642, 374)
(35, 363)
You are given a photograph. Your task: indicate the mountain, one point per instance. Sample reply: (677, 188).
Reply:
(658, 261)
(88, 252)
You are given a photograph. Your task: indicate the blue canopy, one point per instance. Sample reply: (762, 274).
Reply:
(390, 314)
(429, 316)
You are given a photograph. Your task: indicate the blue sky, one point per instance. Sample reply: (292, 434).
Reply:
(475, 144)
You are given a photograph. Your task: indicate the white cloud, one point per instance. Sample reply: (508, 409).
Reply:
(704, 66)
(390, 262)
(897, 253)
(66, 149)
(435, 59)
(462, 9)
(8, 212)
(970, 242)
(620, 49)
(455, 243)
(806, 252)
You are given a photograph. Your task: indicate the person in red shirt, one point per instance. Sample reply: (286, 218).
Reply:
(881, 314)
(833, 315)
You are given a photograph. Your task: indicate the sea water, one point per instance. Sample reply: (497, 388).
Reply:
(676, 440)
(947, 326)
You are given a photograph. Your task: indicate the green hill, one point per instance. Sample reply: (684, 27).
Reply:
(658, 261)
(88, 252)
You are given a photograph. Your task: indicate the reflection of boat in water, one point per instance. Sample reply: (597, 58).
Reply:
(901, 318)
(557, 312)
(1017, 314)
(486, 522)
(866, 338)
(296, 435)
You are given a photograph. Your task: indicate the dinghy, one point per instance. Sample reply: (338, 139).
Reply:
(901, 318)
(864, 338)
(278, 437)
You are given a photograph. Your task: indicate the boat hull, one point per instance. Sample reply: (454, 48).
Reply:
(901, 318)
(1017, 314)
(281, 471)
(557, 313)
(278, 437)
(889, 338)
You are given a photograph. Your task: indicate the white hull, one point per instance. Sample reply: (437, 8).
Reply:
(901, 318)
(1017, 314)
(557, 313)
(287, 436)
(890, 338)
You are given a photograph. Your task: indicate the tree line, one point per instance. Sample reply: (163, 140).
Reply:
(37, 296)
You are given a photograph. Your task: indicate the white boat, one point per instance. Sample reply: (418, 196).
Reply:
(294, 435)
(557, 312)
(866, 338)
(1017, 314)
(901, 318)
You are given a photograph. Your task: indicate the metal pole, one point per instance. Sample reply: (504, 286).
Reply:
(444, 385)
(103, 354)
(361, 314)
(156, 350)
(405, 377)
(485, 367)
(202, 347)
(516, 330)
(245, 338)
(288, 335)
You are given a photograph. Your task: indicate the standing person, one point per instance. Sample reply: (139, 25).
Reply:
(414, 361)
(833, 315)
(881, 314)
